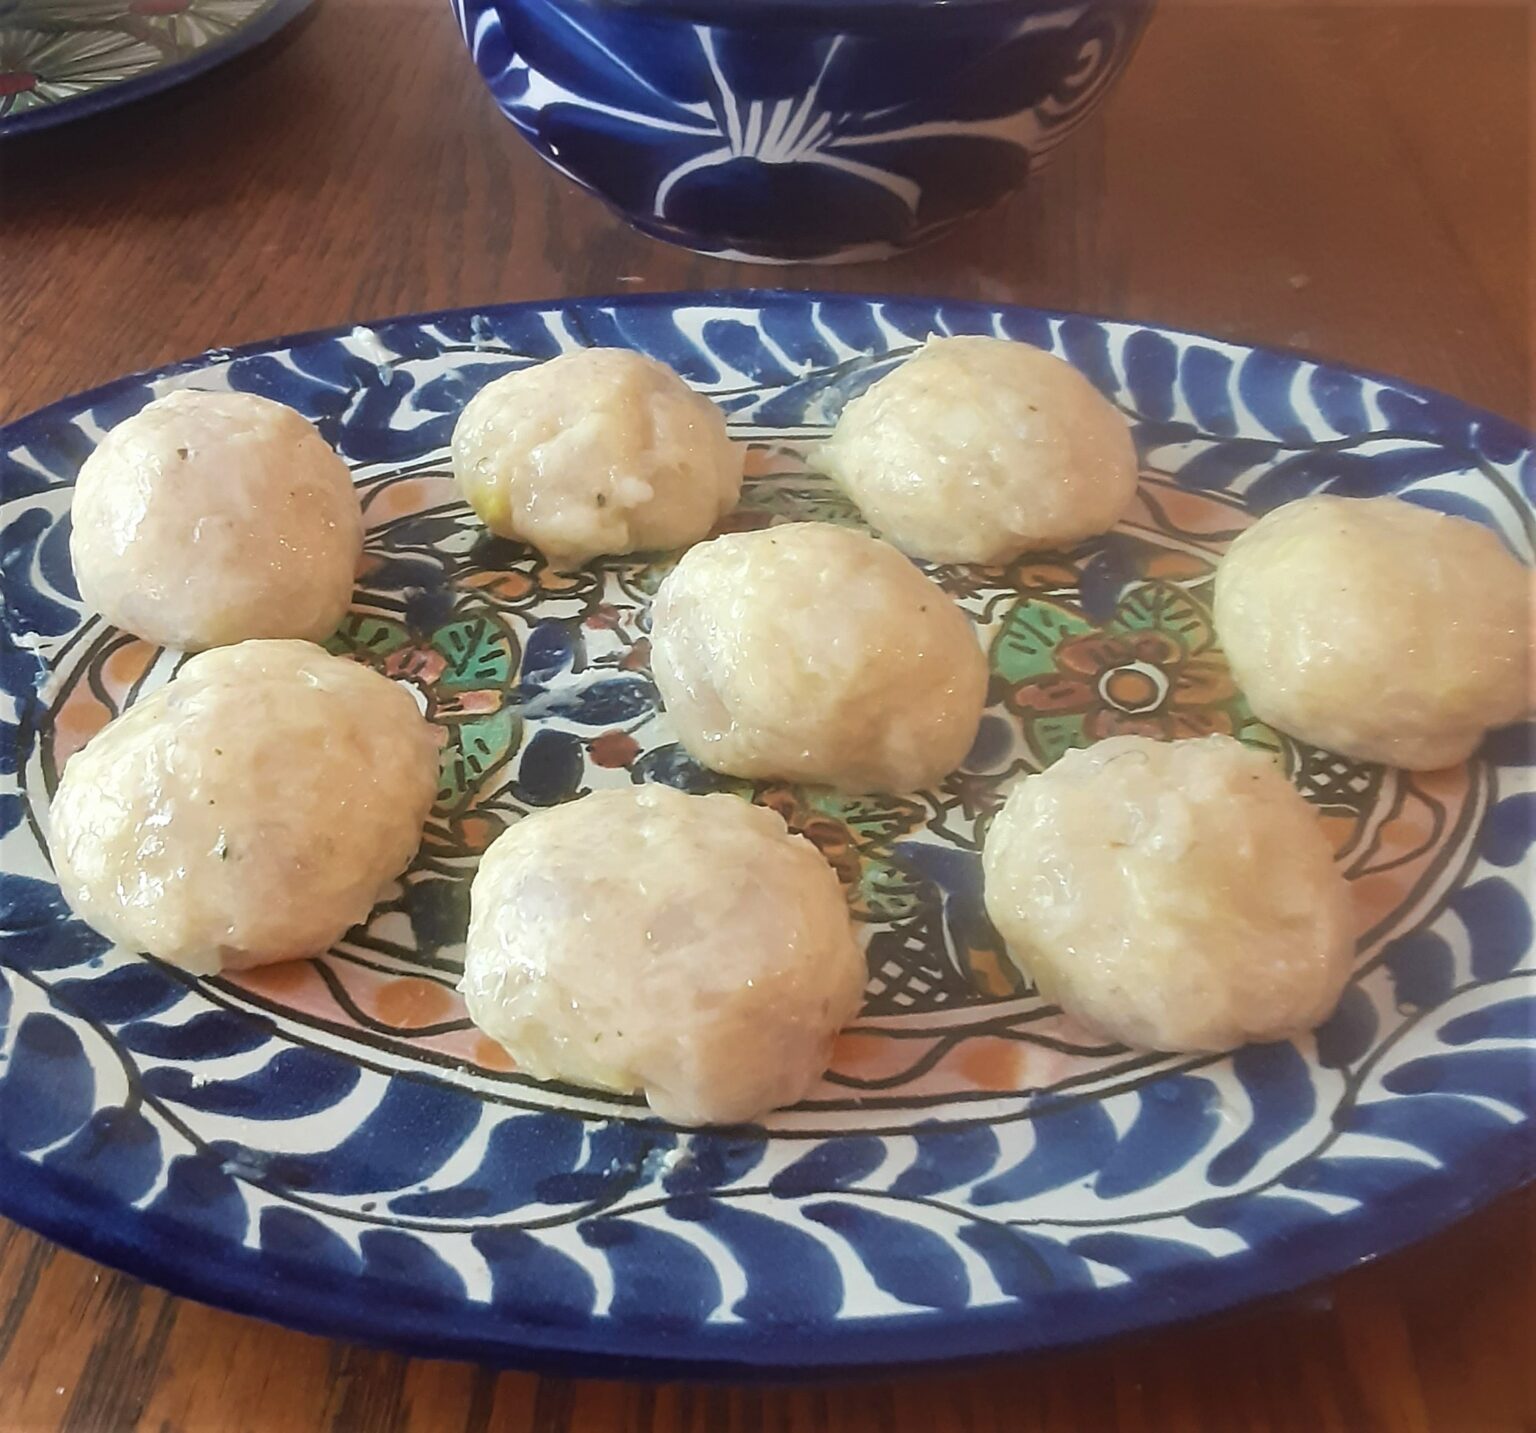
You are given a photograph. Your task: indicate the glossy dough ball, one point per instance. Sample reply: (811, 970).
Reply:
(210, 518)
(1377, 628)
(601, 451)
(1171, 895)
(813, 653)
(687, 946)
(248, 812)
(978, 449)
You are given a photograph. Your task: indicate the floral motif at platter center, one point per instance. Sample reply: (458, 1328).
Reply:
(1150, 668)
(540, 684)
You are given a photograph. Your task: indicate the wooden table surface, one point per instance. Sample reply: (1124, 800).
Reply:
(1353, 180)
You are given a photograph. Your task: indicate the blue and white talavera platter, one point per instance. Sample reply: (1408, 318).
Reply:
(329, 1144)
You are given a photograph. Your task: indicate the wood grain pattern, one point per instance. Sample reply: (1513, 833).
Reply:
(1352, 179)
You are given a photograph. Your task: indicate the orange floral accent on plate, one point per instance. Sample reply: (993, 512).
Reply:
(868, 1055)
(1383, 875)
(76, 721)
(614, 749)
(477, 832)
(288, 980)
(1204, 514)
(509, 586)
(410, 495)
(126, 666)
(988, 1064)
(491, 1056)
(412, 1001)
(1037, 574)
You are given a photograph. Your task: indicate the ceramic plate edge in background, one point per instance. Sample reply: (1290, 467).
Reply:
(144, 73)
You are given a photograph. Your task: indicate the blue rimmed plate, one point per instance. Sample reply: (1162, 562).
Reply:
(64, 59)
(329, 1144)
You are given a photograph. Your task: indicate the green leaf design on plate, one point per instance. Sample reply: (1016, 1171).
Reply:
(872, 820)
(474, 749)
(466, 671)
(1054, 736)
(480, 653)
(887, 891)
(363, 632)
(1162, 607)
(820, 502)
(1026, 644)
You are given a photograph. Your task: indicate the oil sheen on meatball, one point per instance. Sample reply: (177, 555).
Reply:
(686, 946)
(600, 451)
(978, 449)
(1377, 628)
(248, 812)
(211, 518)
(813, 653)
(1171, 895)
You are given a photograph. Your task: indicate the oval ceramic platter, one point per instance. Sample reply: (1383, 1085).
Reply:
(62, 59)
(330, 1144)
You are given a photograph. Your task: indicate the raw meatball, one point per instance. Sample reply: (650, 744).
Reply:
(209, 518)
(978, 449)
(248, 812)
(688, 946)
(814, 653)
(1377, 628)
(1171, 895)
(601, 451)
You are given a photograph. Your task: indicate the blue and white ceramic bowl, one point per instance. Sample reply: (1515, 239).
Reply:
(799, 130)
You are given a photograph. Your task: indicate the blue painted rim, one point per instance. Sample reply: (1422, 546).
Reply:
(263, 27)
(289, 1293)
(791, 298)
(155, 1248)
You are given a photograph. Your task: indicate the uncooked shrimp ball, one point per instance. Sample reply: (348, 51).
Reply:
(978, 449)
(1171, 895)
(249, 811)
(600, 451)
(1377, 628)
(813, 653)
(686, 946)
(210, 518)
